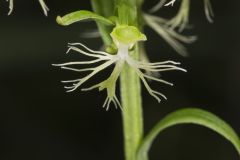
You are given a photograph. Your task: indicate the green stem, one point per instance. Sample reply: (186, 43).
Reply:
(130, 85)
(129, 82)
(104, 8)
(132, 110)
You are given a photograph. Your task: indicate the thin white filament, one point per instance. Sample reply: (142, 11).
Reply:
(208, 10)
(144, 58)
(171, 3)
(86, 53)
(182, 17)
(158, 80)
(96, 70)
(78, 63)
(150, 91)
(10, 6)
(78, 70)
(90, 34)
(157, 6)
(141, 76)
(90, 50)
(176, 45)
(44, 7)
(120, 59)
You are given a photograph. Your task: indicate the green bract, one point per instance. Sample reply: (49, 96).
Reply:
(82, 15)
(127, 35)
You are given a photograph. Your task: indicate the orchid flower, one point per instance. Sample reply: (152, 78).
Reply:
(182, 17)
(167, 28)
(124, 37)
(173, 38)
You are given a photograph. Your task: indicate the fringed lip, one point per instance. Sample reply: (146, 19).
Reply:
(104, 60)
(124, 37)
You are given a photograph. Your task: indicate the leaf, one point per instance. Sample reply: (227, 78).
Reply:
(189, 116)
(82, 15)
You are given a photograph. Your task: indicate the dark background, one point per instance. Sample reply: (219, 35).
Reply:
(40, 121)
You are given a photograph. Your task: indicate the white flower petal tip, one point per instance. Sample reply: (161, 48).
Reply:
(160, 4)
(110, 85)
(171, 3)
(110, 99)
(106, 60)
(42, 3)
(55, 65)
(10, 6)
(181, 20)
(113, 100)
(208, 10)
(154, 67)
(68, 50)
(90, 34)
(172, 37)
(44, 7)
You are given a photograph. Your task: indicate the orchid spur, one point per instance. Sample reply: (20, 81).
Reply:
(124, 37)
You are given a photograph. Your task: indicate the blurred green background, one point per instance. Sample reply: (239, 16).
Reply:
(38, 120)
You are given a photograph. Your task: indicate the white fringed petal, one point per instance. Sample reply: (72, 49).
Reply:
(173, 38)
(120, 59)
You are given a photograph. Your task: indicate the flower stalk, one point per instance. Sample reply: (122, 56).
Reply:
(132, 115)
(130, 87)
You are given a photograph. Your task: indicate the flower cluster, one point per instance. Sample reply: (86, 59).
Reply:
(124, 37)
